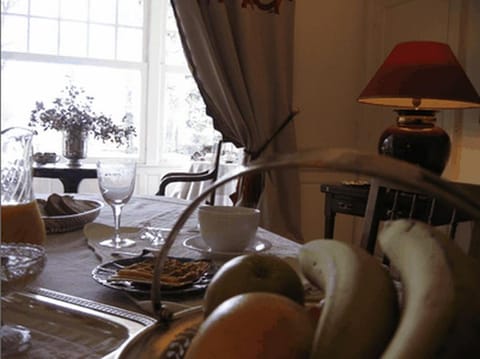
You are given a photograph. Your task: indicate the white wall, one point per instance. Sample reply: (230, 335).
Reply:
(469, 142)
(329, 68)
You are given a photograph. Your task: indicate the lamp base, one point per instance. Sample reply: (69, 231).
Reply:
(417, 140)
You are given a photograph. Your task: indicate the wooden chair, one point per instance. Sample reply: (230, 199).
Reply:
(207, 175)
(387, 201)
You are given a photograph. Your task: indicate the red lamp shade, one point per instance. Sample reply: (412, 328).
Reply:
(417, 78)
(421, 74)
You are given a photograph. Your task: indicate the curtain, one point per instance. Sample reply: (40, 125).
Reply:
(241, 56)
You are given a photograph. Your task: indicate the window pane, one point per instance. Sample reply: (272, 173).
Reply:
(74, 10)
(115, 92)
(43, 36)
(171, 23)
(18, 100)
(129, 44)
(15, 7)
(183, 101)
(47, 8)
(73, 38)
(174, 54)
(102, 42)
(89, 28)
(103, 11)
(130, 12)
(14, 33)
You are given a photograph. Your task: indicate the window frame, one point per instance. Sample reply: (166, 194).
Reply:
(153, 70)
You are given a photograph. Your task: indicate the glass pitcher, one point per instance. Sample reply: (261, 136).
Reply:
(21, 220)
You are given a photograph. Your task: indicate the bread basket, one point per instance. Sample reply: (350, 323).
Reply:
(72, 222)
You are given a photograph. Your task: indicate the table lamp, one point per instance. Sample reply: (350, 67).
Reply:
(418, 78)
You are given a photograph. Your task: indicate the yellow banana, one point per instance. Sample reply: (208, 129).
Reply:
(360, 312)
(441, 287)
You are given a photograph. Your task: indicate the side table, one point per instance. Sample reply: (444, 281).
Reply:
(381, 202)
(69, 176)
(344, 199)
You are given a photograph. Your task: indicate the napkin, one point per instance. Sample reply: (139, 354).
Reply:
(99, 232)
(96, 232)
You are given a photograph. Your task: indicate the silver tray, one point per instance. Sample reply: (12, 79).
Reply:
(64, 326)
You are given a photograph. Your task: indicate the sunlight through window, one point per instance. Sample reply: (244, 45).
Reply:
(106, 48)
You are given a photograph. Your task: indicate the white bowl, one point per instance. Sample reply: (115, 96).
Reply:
(226, 228)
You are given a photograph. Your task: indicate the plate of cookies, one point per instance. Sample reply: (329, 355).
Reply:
(65, 213)
(180, 275)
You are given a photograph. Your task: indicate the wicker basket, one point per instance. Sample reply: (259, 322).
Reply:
(72, 222)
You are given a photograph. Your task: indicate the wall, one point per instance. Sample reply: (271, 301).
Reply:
(469, 141)
(329, 67)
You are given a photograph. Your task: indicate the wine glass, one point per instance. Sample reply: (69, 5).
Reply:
(116, 180)
(20, 264)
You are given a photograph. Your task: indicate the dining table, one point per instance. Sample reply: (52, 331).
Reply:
(72, 256)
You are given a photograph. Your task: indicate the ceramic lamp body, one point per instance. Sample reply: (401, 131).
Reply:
(417, 140)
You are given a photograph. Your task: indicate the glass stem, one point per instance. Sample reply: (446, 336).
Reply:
(117, 212)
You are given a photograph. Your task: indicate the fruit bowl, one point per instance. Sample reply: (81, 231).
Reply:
(159, 341)
(338, 160)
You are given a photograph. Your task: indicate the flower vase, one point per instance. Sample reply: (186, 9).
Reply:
(75, 146)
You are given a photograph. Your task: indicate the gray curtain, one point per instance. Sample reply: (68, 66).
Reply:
(242, 60)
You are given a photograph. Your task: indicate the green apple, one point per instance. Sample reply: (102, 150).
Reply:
(253, 273)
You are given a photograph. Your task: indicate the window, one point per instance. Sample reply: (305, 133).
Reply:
(125, 53)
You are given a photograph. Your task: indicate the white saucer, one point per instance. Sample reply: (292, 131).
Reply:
(196, 243)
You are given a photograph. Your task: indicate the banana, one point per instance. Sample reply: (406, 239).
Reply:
(360, 311)
(441, 287)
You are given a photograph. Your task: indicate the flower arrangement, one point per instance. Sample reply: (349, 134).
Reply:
(73, 113)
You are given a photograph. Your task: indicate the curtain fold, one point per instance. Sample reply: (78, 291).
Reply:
(242, 60)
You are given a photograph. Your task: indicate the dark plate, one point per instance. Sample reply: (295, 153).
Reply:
(103, 272)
